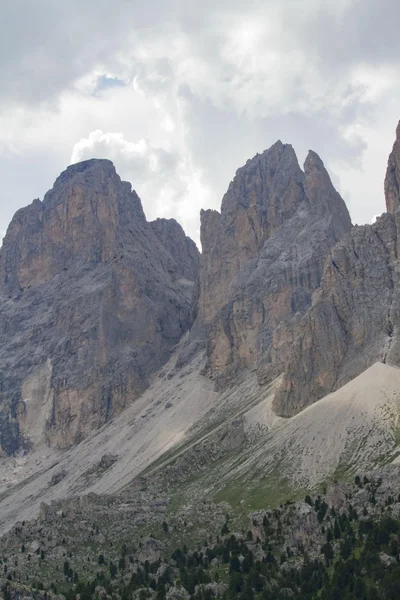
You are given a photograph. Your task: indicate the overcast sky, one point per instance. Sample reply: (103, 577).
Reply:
(180, 93)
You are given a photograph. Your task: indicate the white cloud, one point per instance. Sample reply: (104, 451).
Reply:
(166, 181)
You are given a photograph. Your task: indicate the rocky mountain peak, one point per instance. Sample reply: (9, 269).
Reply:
(85, 217)
(263, 259)
(98, 295)
(321, 193)
(97, 181)
(392, 179)
(313, 162)
(267, 188)
(86, 167)
(97, 176)
(353, 321)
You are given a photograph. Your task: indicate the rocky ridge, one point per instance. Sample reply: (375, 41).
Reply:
(355, 317)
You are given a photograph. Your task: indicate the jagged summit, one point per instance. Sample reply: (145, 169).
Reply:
(321, 193)
(354, 321)
(392, 179)
(86, 217)
(313, 161)
(261, 184)
(98, 179)
(263, 258)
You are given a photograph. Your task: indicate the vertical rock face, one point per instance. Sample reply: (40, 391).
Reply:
(263, 259)
(183, 250)
(392, 179)
(355, 319)
(92, 298)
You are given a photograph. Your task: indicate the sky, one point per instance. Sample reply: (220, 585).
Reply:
(180, 93)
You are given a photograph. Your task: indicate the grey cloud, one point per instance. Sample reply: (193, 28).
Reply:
(45, 46)
(161, 178)
(183, 57)
(245, 136)
(368, 32)
(25, 178)
(139, 159)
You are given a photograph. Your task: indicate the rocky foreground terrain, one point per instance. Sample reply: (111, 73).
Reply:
(342, 540)
(218, 425)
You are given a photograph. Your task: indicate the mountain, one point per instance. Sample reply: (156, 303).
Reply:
(263, 259)
(354, 320)
(92, 299)
(154, 400)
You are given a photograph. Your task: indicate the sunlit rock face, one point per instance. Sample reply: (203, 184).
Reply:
(92, 299)
(263, 258)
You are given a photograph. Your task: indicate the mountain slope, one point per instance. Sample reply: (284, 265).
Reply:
(185, 439)
(267, 459)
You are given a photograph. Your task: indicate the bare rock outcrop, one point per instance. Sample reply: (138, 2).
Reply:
(392, 179)
(263, 259)
(183, 250)
(92, 299)
(355, 318)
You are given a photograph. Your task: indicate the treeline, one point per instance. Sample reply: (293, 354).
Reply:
(358, 560)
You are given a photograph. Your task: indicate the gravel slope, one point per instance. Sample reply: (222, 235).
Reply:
(353, 428)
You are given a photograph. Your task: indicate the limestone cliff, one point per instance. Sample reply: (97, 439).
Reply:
(392, 179)
(355, 319)
(183, 250)
(92, 299)
(263, 259)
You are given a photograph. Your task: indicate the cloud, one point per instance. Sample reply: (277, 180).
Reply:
(166, 181)
(46, 46)
(180, 93)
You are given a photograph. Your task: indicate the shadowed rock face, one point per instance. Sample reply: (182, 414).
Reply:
(92, 299)
(392, 179)
(263, 258)
(355, 319)
(183, 250)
